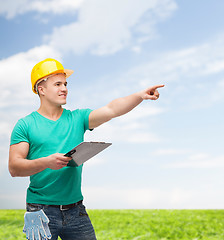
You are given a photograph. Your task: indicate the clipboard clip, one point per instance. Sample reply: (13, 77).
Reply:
(69, 154)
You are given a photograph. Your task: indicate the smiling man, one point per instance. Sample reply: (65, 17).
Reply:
(38, 143)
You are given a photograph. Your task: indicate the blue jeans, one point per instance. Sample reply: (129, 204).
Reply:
(71, 224)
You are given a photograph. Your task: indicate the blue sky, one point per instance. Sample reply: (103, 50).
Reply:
(166, 153)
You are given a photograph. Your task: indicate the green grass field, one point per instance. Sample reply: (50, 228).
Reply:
(136, 224)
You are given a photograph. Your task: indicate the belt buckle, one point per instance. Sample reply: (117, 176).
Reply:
(63, 208)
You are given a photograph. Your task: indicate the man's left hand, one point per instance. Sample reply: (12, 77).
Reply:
(151, 93)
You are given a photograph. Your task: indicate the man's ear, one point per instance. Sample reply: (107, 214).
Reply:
(41, 90)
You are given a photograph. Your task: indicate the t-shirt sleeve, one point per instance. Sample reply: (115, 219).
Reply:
(85, 114)
(19, 133)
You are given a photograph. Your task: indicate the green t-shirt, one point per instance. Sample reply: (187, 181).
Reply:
(46, 137)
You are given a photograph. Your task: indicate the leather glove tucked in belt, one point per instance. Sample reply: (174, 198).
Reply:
(36, 225)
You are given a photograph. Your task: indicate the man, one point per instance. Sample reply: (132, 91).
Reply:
(38, 144)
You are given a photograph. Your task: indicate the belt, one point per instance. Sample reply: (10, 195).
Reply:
(66, 207)
(62, 207)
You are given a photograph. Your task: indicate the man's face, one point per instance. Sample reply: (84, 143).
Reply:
(55, 89)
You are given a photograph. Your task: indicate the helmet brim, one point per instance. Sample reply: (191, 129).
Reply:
(68, 73)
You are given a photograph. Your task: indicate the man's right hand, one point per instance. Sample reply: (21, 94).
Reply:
(57, 161)
(19, 166)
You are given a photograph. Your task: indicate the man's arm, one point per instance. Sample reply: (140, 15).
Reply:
(121, 106)
(19, 166)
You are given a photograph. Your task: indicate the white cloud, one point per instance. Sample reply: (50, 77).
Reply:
(136, 49)
(5, 128)
(4, 156)
(95, 161)
(105, 27)
(11, 8)
(13, 200)
(134, 127)
(162, 152)
(15, 76)
(142, 111)
(55, 6)
(116, 132)
(146, 198)
(182, 65)
(221, 84)
(200, 160)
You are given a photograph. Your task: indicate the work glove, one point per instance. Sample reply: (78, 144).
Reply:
(36, 226)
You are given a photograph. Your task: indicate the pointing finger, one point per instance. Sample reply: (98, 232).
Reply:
(157, 86)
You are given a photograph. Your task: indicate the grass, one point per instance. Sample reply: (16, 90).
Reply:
(136, 224)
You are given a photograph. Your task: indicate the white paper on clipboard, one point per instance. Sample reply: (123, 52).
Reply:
(84, 151)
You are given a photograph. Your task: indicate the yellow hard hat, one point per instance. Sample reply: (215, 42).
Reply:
(45, 68)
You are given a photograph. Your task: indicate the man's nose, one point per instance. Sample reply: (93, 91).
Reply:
(64, 88)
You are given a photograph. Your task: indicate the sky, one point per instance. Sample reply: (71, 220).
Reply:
(165, 154)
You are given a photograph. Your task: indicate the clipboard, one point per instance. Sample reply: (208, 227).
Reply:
(84, 151)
